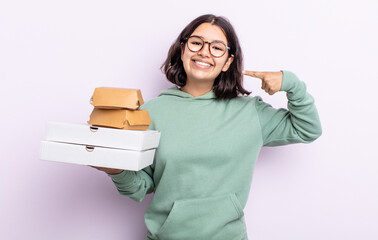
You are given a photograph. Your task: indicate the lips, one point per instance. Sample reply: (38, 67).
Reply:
(202, 63)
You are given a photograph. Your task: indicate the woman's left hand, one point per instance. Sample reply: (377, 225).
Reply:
(271, 81)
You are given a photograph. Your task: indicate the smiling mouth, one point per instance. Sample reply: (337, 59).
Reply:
(202, 63)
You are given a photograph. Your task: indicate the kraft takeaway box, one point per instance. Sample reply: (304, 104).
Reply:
(96, 156)
(101, 136)
(117, 98)
(120, 118)
(99, 146)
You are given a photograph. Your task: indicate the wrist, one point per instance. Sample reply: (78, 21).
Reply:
(114, 171)
(289, 80)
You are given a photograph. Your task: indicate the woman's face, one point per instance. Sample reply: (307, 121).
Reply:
(202, 66)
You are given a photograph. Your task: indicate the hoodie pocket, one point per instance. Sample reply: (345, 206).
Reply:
(205, 218)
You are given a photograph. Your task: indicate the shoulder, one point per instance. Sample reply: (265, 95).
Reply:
(240, 104)
(157, 104)
(164, 98)
(150, 104)
(246, 100)
(255, 103)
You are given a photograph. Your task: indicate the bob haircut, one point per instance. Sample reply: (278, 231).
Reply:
(227, 84)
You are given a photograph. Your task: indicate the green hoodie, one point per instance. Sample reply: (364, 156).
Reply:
(202, 171)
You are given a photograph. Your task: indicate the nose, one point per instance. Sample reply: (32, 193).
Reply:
(205, 51)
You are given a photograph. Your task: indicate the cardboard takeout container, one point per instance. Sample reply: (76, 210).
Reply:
(120, 118)
(96, 156)
(117, 98)
(101, 136)
(99, 146)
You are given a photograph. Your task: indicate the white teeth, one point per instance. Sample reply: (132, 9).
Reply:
(203, 64)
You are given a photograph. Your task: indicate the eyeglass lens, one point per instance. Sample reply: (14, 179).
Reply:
(217, 49)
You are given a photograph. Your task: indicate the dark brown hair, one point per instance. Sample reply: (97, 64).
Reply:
(228, 84)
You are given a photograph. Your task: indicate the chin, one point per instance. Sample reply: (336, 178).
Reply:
(202, 79)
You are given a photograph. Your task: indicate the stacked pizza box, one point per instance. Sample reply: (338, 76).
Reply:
(116, 135)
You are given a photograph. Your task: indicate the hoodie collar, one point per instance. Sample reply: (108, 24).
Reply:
(175, 91)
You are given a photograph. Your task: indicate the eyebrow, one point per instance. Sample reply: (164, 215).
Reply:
(211, 41)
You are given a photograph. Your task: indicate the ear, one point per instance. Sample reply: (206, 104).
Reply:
(228, 63)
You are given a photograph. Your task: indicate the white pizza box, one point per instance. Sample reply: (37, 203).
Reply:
(96, 156)
(102, 136)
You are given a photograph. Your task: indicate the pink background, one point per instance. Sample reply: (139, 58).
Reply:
(54, 53)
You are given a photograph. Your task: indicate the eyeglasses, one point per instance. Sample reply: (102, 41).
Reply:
(216, 48)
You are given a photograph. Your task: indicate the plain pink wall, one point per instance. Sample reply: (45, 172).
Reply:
(53, 54)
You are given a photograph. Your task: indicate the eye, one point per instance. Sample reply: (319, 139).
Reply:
(196, 43)
(217, 46)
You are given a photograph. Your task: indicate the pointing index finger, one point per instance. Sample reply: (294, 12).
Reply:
(253, 74)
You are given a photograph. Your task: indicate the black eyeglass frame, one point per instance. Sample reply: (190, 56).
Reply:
(204, 42)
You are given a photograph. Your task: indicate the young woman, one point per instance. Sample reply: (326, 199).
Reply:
(211, 135)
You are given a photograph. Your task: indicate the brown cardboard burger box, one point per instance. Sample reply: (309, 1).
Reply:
(120, 118)
(117, 98)
(118, 108)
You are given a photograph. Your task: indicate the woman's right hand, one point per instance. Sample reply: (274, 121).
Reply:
(271, 81)
(111, 171)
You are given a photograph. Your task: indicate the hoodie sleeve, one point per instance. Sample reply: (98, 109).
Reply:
(135, 184)
(298, 124)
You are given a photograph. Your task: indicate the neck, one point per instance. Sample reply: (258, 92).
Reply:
(197, 89)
